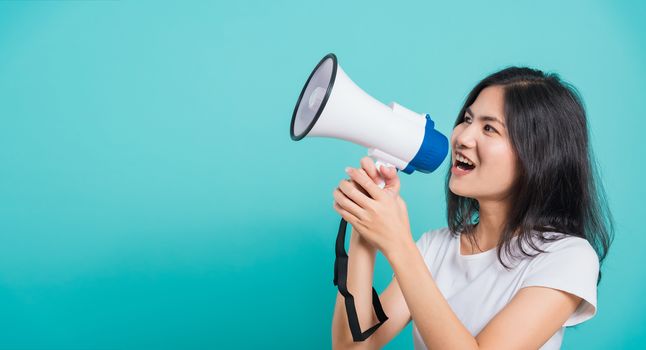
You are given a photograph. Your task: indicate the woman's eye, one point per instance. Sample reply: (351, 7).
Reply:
(490, 128)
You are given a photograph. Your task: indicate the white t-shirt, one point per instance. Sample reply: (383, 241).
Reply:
(477, 286)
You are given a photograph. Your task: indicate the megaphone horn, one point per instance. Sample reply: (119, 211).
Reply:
(332, 105)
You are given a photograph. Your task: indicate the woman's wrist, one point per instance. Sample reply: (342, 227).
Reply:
(357, 241)
(400, 251)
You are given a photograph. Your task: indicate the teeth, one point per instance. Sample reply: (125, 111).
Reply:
(462, 159)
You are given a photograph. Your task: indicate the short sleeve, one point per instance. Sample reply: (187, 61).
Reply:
(570, 265)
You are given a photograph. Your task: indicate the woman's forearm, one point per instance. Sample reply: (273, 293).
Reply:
(435, 320)
(361, 266)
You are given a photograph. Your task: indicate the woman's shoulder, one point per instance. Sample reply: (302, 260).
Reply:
(561, 249)
(558, 242)
(436, 237)
(438, 234)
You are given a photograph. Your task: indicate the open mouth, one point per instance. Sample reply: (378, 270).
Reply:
(463, 163)
(464, 166)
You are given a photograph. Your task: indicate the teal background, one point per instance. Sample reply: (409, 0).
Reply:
(150, 195)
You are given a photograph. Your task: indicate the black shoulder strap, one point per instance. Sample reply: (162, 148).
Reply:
(341, 280)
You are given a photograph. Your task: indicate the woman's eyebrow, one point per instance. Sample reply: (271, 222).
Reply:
(487, 117)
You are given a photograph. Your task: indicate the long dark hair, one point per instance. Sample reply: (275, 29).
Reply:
(557, 189)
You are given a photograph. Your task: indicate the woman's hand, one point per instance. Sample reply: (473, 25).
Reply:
(378, 215)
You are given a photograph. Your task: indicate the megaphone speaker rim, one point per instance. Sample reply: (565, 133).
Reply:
(323, 102)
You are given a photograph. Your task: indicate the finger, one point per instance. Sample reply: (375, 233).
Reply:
(390, 177)
(354, 192)
(369, 166)
(361, 178)
(351, 219)
(347, 204)
(388, 172)
(357, 186)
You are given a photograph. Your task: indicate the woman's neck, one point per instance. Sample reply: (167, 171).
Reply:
(492, 218)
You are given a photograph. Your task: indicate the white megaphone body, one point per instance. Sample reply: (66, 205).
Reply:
(332, 105)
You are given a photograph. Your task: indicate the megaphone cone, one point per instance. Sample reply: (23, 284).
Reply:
(332, 105)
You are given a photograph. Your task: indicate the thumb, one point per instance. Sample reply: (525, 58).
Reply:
(389, 174)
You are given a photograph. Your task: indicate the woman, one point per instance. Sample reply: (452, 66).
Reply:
(527, 228)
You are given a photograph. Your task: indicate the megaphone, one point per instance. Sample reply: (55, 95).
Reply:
(332, 105)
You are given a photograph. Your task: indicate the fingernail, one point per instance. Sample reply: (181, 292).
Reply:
(347, 170)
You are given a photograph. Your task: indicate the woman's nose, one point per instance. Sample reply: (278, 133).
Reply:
(466, 137)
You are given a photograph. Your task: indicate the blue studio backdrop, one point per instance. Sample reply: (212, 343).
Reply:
(150, 194)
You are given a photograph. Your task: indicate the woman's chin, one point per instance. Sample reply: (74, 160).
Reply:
(456, 190)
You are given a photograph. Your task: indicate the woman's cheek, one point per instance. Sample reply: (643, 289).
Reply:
(504, 172)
